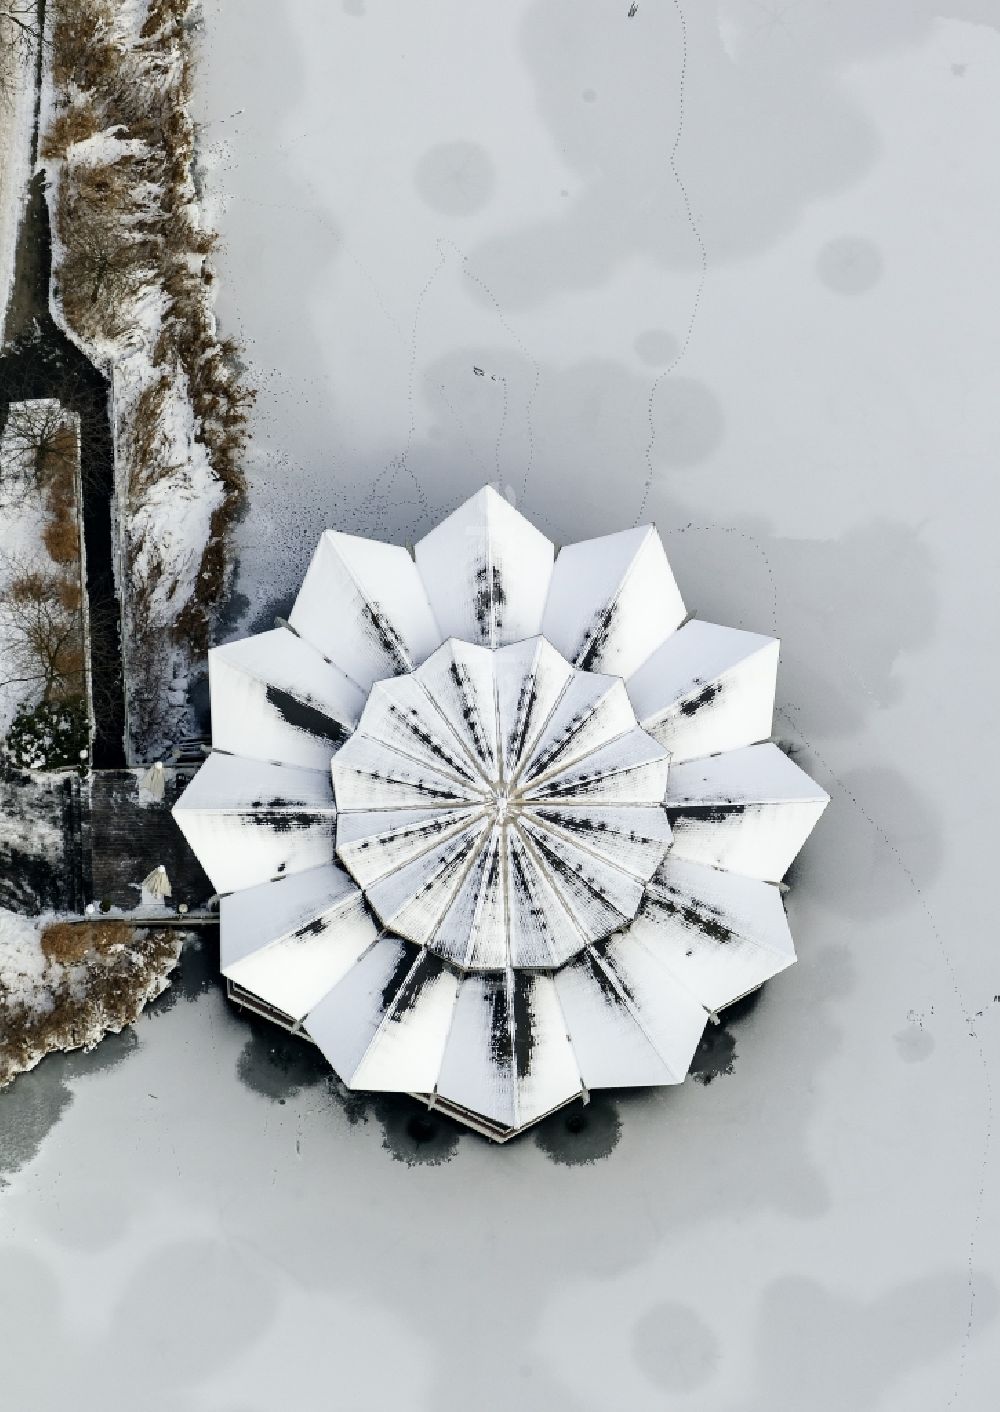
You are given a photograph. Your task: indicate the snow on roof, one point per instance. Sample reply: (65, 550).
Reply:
(493, 828)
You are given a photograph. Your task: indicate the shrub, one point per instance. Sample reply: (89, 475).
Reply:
(54, 735)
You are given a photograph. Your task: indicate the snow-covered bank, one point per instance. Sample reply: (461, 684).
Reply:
(132, 285)
(64, 984)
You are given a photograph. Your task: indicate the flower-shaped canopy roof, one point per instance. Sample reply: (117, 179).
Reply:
(500, 807)
(494, 827)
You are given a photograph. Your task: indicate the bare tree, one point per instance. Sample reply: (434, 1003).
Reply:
(42, 630)
(21, 33)
(38, 449)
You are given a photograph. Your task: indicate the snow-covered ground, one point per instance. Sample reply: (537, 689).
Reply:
(742, 254)
(16, 112)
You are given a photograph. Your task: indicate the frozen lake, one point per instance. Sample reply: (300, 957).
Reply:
(730, 267)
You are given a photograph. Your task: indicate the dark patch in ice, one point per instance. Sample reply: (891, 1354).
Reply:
(301, 716)
(691, 705)
(656, 347)
(914, 1044)
(278, 1065)
(581, 1133)
(716, 1052)
(675, 1348)
(850, 264)
(455, 178)
(196, 973)
(32, 1105)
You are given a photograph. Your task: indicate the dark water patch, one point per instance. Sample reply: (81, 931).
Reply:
(413, 1134)
(716, 1053)
(196, 973)
(278, 1065)
(33, 1104)
(582, 1133)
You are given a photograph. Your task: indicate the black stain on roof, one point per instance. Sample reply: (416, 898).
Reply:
(304, 717)
(691, 705)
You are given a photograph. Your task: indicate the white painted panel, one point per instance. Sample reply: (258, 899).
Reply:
(592, 711)
(400, 713)
(294, 972)
(707, 688)
(610, 1048)
(634, 838)
(459, 680)
(530, 678)
(473, 929)
(719, 933)
(344, 1022)
(477, 1071)
(405, 1052)
(412, 899)
(487, 572)
(543, 930)
(256, 916)
(747, 810)
(368, 774)
(545, 1067)
(612, 601)
(363, 605)
(630, 770)
(249, 821)
(672, 1018)
(574, 870)
(276, 698)
(372, 845)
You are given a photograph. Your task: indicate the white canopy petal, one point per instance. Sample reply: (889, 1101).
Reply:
(399, 713)
(631, 769)
(276, 698)
(385, 1025)
(706, 689)
(248, 821)
(720, 934)
(629, 1024)
(371, 774)
(612, 601)
(289, 941)
(459, 679)
(376, 843)
(363, 605)
(530, 679)
(487, 571)
(592, 711)
(507, 1061)
(748, 811)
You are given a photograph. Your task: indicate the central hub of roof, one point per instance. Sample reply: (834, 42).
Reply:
(501, 807)
(504, 805)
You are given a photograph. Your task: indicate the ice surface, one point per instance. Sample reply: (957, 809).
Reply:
(808, 1231)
